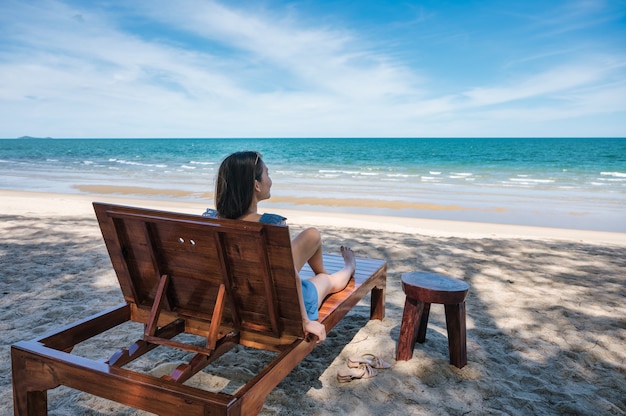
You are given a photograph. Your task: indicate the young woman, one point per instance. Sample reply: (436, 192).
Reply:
(242, 182)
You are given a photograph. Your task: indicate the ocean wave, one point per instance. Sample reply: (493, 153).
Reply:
(529, 181)
(612, 179)
(127, 162)
(506, 184)
(193, 162)
(616, 174)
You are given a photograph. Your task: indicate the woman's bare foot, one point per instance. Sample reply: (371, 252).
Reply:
(332, 283)
(349, 258)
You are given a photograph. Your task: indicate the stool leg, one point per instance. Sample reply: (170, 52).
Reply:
(455, 322)
(411, 317)
(421, 332)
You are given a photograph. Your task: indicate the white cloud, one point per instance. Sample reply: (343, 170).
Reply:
(323, 59)
(552, 81)
(76, 72)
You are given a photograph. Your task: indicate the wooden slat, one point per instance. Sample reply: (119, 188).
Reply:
(151, 327)
(270, 291)
(229, 283)
(216, 320)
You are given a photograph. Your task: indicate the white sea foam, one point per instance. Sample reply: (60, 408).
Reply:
(515, 184)
(617, 174)
(150, 165)
(193, 162)
(529, 181)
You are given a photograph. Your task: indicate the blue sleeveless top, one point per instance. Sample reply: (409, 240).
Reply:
(273, 219)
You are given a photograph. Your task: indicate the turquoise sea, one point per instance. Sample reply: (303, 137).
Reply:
(572, 183)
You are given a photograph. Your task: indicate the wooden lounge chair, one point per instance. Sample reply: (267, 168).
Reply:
(226, 282)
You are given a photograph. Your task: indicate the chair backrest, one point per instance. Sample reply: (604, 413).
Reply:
(252, 260)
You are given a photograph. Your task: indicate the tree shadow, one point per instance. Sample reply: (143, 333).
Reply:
(546, 324)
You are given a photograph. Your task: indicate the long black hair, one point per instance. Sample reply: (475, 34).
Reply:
(234, 186)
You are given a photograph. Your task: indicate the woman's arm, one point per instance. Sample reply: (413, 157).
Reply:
(309, 326)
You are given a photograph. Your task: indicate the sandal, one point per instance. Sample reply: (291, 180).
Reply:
(348, 374)
(368, 359)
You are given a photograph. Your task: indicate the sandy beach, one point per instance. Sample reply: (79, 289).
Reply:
(546, 314)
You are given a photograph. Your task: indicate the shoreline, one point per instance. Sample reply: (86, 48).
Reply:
(45, 203)
(563, 208)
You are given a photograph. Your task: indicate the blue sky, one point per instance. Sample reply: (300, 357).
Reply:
(199, 68)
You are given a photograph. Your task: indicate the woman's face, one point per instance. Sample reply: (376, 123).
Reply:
(262, 187)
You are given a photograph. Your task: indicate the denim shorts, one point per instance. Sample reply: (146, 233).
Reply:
(309, 295)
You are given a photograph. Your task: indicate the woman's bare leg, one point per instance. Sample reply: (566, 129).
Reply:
(307, 248)
(330, 283)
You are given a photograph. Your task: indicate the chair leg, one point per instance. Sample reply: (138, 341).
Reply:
(455, 322)
(31, 403)
(30, 390)
(411, 319)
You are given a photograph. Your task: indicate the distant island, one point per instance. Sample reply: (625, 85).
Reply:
(31, 137)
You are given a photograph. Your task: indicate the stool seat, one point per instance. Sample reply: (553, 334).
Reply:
(434, 288)
(422, 289)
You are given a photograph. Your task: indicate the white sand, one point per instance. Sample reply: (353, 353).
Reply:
(546, 324)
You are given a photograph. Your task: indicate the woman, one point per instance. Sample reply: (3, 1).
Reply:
(242, 182)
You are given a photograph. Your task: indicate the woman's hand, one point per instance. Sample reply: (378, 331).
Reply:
(315, 328)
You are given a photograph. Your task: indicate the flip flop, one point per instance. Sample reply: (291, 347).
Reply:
(368, 359)
(348, 374)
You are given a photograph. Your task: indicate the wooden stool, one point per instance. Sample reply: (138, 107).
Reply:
(422, 289)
